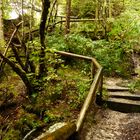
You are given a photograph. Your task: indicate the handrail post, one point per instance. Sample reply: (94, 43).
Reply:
(92, 70)
(101, 87)
(61, 24)
(90, 97)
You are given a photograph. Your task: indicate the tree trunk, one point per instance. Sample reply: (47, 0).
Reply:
(45, 11)
(20, 72)
(1, 28)
(110, 9)
(22, 1)
(51, 12)
(68, 13)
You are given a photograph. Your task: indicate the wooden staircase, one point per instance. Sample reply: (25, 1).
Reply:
(121, 99)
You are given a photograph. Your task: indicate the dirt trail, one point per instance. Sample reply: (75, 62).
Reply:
(107, 124)
(112, 125)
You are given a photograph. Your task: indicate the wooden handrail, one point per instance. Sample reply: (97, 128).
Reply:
(75, 20)
(80, 57)
(96, 63)
(97, 83)
(90, 97)
(73, 55)
(63, 21)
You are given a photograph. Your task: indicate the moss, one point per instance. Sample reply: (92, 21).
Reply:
(12, 134)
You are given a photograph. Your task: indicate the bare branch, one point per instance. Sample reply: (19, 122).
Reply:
(17, 56)
(8, 44)
(20, 72)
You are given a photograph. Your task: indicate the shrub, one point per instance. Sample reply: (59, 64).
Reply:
(115, 56)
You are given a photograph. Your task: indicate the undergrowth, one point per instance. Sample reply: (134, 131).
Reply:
(114, 56)
(64, 90)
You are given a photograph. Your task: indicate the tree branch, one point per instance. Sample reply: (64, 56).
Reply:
(20, 72)
(17, 56)
(54, 3)
(8, 44)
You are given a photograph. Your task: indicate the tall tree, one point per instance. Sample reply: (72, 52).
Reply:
(45, 11)
(68, 13)
(1, 26)
(44, 15)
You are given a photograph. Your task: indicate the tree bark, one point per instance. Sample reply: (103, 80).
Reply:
(14, 49)
(22, 1)
(20, 72)
(110, 9)
(97, 10)
(1, 27)
(45, 11)
(68, 13)
(9, 42)
(51, 12)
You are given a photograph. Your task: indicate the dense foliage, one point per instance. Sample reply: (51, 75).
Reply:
(113, 41)
(111, 55)
(87, 9)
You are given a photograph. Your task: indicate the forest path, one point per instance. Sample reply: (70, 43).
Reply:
(112, 125)
(108, 124)
(119, 97)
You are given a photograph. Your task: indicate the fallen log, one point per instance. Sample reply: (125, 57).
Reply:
(62, 133)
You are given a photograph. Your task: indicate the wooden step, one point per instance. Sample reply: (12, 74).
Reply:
(124, 95)
(116, 88)
(123, 105)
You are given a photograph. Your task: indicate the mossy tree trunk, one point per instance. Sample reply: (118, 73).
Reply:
(20, 72)
(1, 27)
(45, 11)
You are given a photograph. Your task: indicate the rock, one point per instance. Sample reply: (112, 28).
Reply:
(59, 131)
(56, 126)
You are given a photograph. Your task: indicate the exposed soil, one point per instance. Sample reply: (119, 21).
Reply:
(107, 124)
(111, 125)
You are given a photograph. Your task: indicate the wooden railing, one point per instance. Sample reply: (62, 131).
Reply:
(96, 86)
(97, 76)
